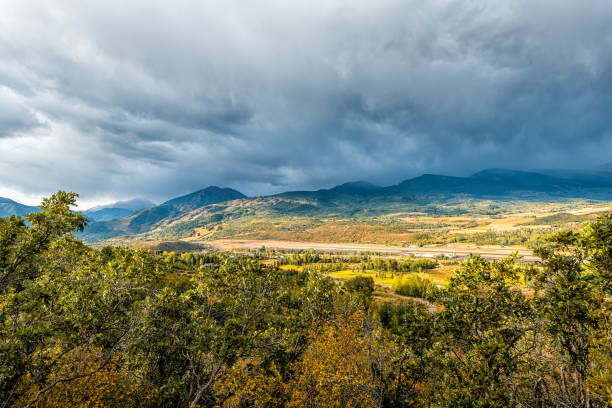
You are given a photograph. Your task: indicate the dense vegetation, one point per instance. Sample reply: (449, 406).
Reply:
(378, 264)
(123, 328)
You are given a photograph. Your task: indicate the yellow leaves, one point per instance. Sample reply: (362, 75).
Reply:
(600, 382)
(334, 371)
(90, 384)
(251, 385)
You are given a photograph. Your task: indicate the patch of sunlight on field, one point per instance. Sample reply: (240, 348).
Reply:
(438, 276)
(441, 274)
(379, 278)
(292, 268)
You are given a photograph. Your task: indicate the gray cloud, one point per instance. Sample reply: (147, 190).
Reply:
(15, 117)
(121, 99)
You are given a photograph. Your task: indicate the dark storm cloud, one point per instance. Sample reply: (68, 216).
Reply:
(122, 99)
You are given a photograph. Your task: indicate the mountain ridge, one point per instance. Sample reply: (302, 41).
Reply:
(10, 207)
(185, 214)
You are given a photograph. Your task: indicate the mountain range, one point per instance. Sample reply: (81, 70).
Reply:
(213, 207)
(116, 210)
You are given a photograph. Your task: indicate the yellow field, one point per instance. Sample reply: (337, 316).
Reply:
(438, 276)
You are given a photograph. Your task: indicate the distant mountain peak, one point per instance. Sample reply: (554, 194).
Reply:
(426, 178)
(207, 195)
(355, 186)
(116, 210)
(135, 204)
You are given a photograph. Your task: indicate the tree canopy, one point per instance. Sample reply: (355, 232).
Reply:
(119, 327)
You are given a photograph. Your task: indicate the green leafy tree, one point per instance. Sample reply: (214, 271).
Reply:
(23, 242)
(413, 328)
(573, 292)
(483, 329)
(362, 287)
(240, 313)
(63, 304)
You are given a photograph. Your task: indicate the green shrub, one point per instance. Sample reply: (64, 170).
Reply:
(363, 285)
(413, 285)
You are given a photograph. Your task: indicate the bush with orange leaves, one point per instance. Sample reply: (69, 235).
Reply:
(250, 385)
(81, 381)
(344, 365)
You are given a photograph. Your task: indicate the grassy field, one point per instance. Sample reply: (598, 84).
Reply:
(438, 276)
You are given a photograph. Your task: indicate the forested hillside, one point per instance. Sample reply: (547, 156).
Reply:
(118, 327)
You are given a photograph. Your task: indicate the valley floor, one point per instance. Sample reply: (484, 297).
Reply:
(458, 251)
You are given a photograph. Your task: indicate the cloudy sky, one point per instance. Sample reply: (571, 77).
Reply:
(121, 99)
